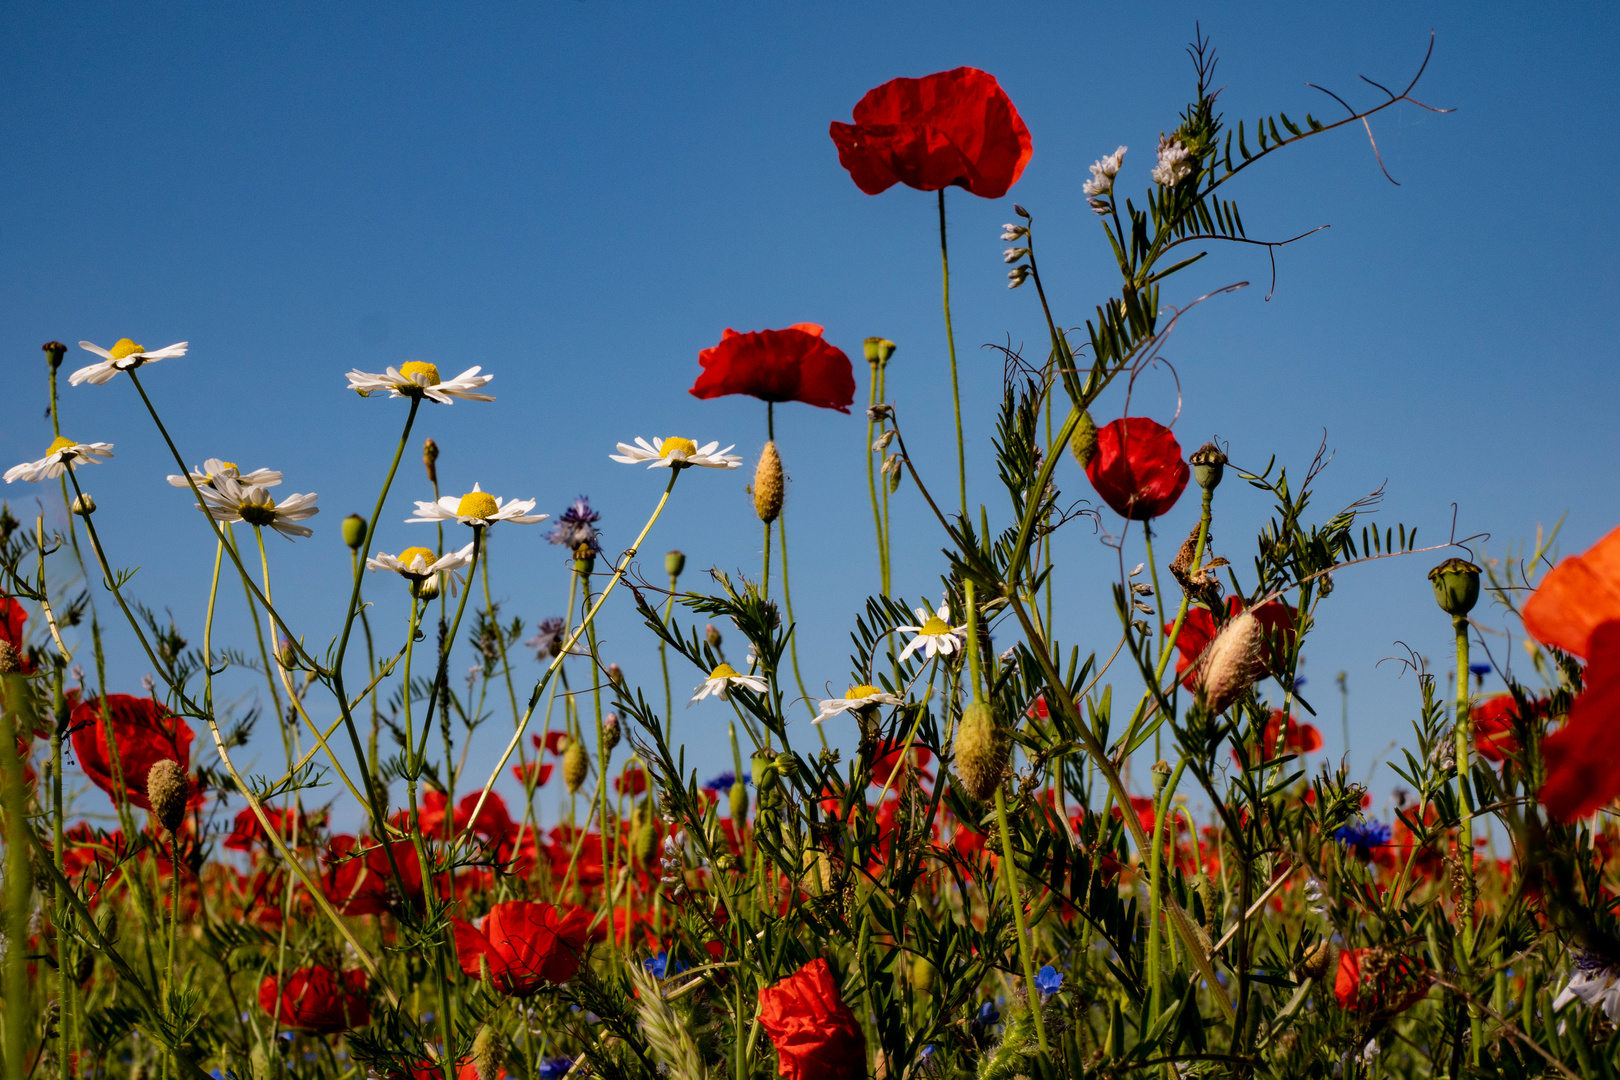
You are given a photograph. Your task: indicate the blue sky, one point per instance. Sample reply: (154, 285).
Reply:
(581, 196)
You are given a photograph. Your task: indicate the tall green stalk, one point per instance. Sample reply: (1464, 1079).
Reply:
(950, 341)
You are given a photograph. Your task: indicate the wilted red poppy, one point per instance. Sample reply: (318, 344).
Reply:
(1199, 629)
(815, 1034)
(951, 128)
(795, 364)
(317, 999)
(1299, 739)
(144, 732)
(526, 945)
(1138, 468)
(1367, 980)
(1577, 609)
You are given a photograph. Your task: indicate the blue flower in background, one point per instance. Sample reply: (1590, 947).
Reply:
(555, 1068)
(1479, 671)
(1048, 981)
(577, 526)
(722, 783)
(1362, 838)
(985, 1019)
(663, 966)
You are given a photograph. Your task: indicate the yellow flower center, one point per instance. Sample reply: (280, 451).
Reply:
(124, 347)
(934, 627)
(412, 368)
(477, 504)
(224, 467)
(257, 513)
(409, 556)
(685, 446)
(862, 691)
(724, 671)
(62, 442)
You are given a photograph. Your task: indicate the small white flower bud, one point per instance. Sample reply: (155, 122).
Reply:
(1013, 254)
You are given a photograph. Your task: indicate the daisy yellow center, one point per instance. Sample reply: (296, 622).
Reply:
(934, 627)
(224, 466)
(124, 347)
(863, 691)
(685, 446)
(412, 368)
(477, 504)
(724, 671)
(62, 442)
(409, 556)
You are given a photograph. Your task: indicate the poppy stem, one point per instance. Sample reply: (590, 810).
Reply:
(1463, 729)
(793, 635)
(871, 476)
(956, 390)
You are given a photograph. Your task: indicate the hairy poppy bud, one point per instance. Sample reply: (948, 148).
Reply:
(430, 459)
(980, 750)
(54, 352)
(878, 350)
(84, 505)
(166, 792)
(575, 766)
(354, 531)
(768, 485)
(10, 663)
(1083, 443)
(711, 634)
(610, 731)
(674, 563)
(1232, 661)
(645, 844)
(1456, 586)
(739, 801)
(1319, 959)
(1208, 465)
(488, 1053)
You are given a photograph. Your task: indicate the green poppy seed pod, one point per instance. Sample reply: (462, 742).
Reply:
(1232, 661)
(107, 923)
(739, 801)
(878, 350)
(674, 563)
(1319, 960)
(575, 766)
(166, 790)
(430, 460)
(980, 751)
(711, 634)
(768, 484)
(1456, 586)
(259, 1062)
(1083, 443)
(610, 731)
(1208, 465)
(765, 774)
(10, 662)
(488, 1053)
(1161, 775)
(84, 505)
(646, 843)
(54, 352)
(354, 531)
(787, 763)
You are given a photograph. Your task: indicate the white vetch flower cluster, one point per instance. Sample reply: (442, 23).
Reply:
(1173, 166)
(125, 355)
(722, 679)
(229, 500)
(1101, 183)
(935, 634)
(419, 379)
(204, 477)
(676, 453)
(59, 456)
(477, 508)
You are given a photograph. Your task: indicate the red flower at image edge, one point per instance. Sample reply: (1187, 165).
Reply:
(526, 945)
(12, 619)
(1496, 722)
(1402, 985)
(815, 1034)
(1577, 609)
(1138, 468)
(1198, 630)
(145, 733)
(950, 128)
(316, 999)
(778, 365)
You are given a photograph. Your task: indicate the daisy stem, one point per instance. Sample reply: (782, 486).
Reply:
(1009, 878)
(956, 391)
(371, 671)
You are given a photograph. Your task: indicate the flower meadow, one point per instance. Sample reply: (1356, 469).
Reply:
(1031, 863)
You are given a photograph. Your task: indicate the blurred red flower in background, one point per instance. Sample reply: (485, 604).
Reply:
(1383, 989)
(815, 1034)
(1198, 630)
(1300, 738)
(1496, 721)
(12, 618)
(317, 999)
(357, 877)
(144, 734)
(778, 365)
(526, 945)
(1138, 468)
(951, 128)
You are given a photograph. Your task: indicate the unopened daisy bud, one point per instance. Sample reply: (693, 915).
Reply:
(1232, 661)
(878, 350)
(54, 352)
(427, 588)
(575, 765)
(610, 731)
(768, 484)
(1319, 960)
(84, 505)
(488, 1053)
(739, 801)
(166, 791)
(1083, 443)
(430, 459)
(354, 531)
(10, 662)
(1456, 586)
(645, 845)
(980, 751)
(764, 770)
(674, 563)
(1208, 464)
(711, 634)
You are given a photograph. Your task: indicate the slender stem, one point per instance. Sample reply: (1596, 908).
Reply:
(1463, 730)
(1161, 807)
(663, 662)
(765, 586)
(1009, 876)
(956, 390)
(793, 639)
(19, 1012)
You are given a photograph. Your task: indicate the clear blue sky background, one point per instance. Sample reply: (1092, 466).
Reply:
(580, 196)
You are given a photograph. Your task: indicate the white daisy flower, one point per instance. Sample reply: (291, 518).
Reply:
(1595, 983)
(60, 455)
(204, 476)
(720, 681)
(419, 564)
(227, 500)
(477, 508)
(935, 634)
(858, 700)
(419, 379)
(1103, 172)
(125, 355)
(676, 454)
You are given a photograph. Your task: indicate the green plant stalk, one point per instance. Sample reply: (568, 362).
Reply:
(950, 341)
(1156, 887)
(663, 662)
(871, 476)
(793, 639)
(19, 1011)
(765, 584)
(66, 955)
(603, 754)
(1463, 731)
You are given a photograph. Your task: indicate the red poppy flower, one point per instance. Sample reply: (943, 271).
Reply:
(555, 742)
(950, 128)
(526, 945)
(12, 617)
(633, 781)
(536, 771)
(144, 732)
(1400, 984)
(245, 829)
(778, 365)
(317, 999)
(358, 877)
(1577, 609)
(1496, 719)
(887, 758)
(815, 1034)
(1138, 468)
(1299, 739)
(1199, 629)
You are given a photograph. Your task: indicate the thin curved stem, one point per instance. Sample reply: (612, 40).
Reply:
(950, 341)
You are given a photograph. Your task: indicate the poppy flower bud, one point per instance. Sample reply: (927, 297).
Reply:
(166, 791)
(610, 730)
(787, 763)
(878, 350)
(711, 634)
(1232, 661)
(646, 843)
(488, 1053)
(1456, 586)
(84, 505)
(767, 485)
(1083, 443)
(1161, 775)
(430, 459)
(739, 802)
(980, 751)
(354, 531)
(54, 352)
(674, 563)
(1319, 960)
(1208, 464)
(10, 662)
(575, 765)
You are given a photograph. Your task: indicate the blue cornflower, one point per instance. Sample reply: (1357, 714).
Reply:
(1048, 981)
(1299, 682)
(1479, 671)
(722, 783)
(1362, 838)
(548, 639)
(986, 1019)
(577, 526)
(555, 1068)
(663, 965)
